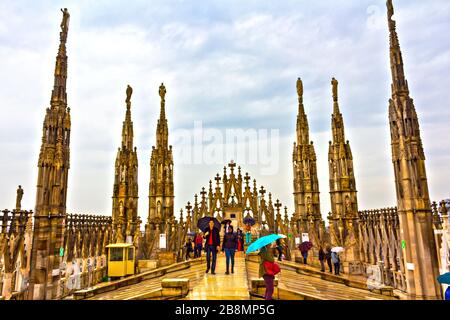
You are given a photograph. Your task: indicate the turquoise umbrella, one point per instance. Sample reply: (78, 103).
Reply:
(264, 241)
(444, 278)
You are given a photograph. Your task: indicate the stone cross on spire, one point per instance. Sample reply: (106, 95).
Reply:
(188, 207)
(247, 178)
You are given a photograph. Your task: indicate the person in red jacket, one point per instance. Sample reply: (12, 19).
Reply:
(267, 270)
(198, 245)
(212, 245)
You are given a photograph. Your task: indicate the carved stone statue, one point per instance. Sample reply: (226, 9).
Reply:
(308, 206)
(65, 21)
(129, 93)
(299, 88)
(120, 210)
(348, 205)
(333, 236)
(350, 241)
(162, 91)
(335, 83)
(390, 9)
(305, 172)
(19, 198)
(123, 173)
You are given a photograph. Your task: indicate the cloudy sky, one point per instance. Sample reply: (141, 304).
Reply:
(226, 65)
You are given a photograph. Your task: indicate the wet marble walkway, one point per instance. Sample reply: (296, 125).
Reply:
(235, 286)
(221, 286)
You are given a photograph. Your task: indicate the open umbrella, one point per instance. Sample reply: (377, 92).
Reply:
(203, 223)
(305, 246)
(337, 249)
(263, 241)
(444, 278)
(249, 220)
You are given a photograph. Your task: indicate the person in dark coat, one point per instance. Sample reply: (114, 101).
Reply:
(321, 259)
(328, 258)
(229, 245)
(279, 249)
(189, 248)
(212, 246)
(304, 252)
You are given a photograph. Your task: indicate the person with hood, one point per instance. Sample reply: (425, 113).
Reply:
(212, 246)
(229, 245)
(267, 270)
(336, 261)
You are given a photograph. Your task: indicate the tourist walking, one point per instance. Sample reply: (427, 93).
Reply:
(189, 248)
(321, 259)
(267, 270)
(279, 249)
(304, 255)
(229, 245)
(212, 245)
(240, 239)
(336, 261)
(248, 234)
(304, 247)
(328, 258)
(198, 243)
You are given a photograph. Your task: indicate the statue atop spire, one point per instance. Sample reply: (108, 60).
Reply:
(129, 93)
(334, 84)
(53, 172)
(300, 88)
(65, 21)
(408, 158)
(306, 184)
(390, 9)
(64, 25)
(125, 190)
(162, 91)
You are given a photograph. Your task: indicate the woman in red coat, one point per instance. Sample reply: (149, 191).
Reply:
(267, 270)
(240, 238)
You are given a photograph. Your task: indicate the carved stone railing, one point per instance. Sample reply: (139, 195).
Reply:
(15, 251)
(84, 255)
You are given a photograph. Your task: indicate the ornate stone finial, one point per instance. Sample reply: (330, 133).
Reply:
(334, 84)
(129, 93)
(299, 88)
(162, 91)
